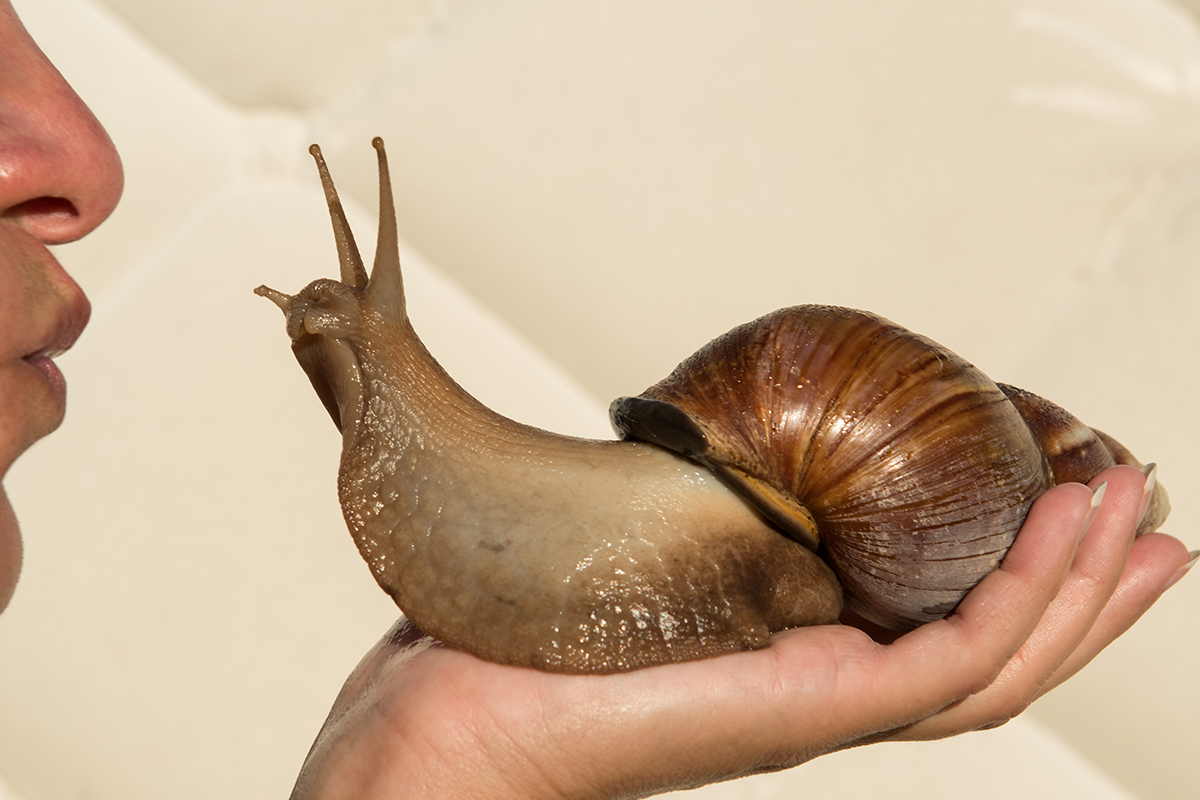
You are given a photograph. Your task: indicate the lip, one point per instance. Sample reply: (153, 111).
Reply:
(60, 336)
(67, 327)
(50, 371)
(52, 311)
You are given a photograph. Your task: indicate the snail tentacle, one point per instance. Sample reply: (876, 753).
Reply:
(352, 271)
(385, 290)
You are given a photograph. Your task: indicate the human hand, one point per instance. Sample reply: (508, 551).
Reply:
(418, 719)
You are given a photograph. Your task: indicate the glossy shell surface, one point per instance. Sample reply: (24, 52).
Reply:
(914, 466)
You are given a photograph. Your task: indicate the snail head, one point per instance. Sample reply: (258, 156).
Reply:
(328, 321)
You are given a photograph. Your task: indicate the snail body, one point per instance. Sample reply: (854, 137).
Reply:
(814, 430)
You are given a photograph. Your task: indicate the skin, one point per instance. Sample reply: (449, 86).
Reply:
(60, 177)
(422, 720)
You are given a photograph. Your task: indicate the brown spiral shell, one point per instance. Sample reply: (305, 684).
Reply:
(907, 466)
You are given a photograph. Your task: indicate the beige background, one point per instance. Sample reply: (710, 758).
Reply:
(588, 192)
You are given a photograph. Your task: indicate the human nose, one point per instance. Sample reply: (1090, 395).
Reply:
(60, 175)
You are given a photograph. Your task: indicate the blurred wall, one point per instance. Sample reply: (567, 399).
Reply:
(588, 193)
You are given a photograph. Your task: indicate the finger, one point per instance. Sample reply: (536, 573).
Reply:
(1000, 615)
(1089, 585)
(947, 661)
(1093, 578)
(1155, 561)
(402, 642)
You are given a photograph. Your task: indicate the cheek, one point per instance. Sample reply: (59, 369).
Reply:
(10, 550)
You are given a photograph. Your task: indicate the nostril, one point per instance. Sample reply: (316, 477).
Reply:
(57, 209)
(53, 220)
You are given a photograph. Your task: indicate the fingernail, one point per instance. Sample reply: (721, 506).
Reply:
(1093, 509)
(1151, 473)
(1179, 573)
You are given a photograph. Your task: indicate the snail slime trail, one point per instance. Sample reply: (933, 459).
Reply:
(813, 429)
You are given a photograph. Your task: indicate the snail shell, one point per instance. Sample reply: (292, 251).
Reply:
(811, 430)
(907, 467)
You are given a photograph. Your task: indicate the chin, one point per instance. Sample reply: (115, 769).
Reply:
(10, 550)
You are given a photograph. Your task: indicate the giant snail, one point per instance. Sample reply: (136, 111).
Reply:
(814, 453)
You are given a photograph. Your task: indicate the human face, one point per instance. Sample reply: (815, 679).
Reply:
(60, 177)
